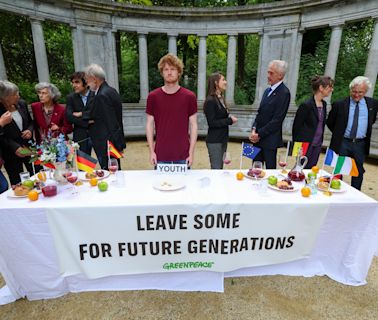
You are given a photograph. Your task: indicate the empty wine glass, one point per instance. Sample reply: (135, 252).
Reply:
(282, 163)
(227, 160)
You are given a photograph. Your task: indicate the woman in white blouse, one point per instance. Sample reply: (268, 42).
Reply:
(16, 134)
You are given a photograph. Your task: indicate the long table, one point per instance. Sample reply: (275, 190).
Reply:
(343, 250)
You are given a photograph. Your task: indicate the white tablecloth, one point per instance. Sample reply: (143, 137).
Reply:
(344, 249)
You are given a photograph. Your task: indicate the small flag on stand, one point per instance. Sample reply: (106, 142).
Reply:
(330, 158)
(250, 151)
(297, 146)
(85, 162)
(346, 165)
(112, 151)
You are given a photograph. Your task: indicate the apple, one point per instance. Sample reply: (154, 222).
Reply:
(272, 180)
(335, 184)
(102, 186)
(311, 174)
(28, 183)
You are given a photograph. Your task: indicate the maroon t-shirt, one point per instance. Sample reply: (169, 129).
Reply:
(171, 114)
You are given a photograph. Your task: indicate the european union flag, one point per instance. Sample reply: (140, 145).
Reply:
(250, 151)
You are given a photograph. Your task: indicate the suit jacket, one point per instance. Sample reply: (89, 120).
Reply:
(218, 121)
(58, 117)
(74, 103)
(306, 121)
(338, 120)
(107, 116)
(270, 116)
(12, 139)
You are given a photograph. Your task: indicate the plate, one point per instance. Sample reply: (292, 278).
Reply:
(167, 185)
(82, 175)
(249, 177)
(10, 193)
(341, 190)
(283, 190)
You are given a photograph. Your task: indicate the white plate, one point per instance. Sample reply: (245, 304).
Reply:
(10, 194)
(341, 190)
(82, 175)
(168, 185)
(249, 177)
(283, 190)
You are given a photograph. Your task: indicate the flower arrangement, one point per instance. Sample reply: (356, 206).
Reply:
(53, 150)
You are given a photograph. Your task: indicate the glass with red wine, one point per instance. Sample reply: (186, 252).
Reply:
(72, 177)
(282, 163)
(226, 160)
(257, 169)
(113, 167)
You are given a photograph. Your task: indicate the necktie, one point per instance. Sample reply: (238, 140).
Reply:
(269, 91)
(353, 131)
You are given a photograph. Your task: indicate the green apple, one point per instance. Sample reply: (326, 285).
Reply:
(335, 184)
(102, 186)
(311, 174)
(272, 180)
(28, 183)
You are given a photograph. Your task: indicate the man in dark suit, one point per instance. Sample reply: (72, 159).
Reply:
(78, 109)
(106, 115)
(350, 121)
(267, 128)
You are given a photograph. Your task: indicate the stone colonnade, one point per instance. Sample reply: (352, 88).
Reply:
(280, 27)
(93, 28)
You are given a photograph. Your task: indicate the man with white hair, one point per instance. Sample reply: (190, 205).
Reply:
(267, 128)
(351, 121)
(106, 115)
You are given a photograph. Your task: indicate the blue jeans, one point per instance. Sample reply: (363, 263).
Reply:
(3, 183)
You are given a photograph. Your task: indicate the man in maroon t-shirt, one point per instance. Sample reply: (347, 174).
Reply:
(172, 112)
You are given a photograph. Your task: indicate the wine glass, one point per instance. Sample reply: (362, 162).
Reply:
(113, 167)
(282, 163)
(72, 176)
(257, 169)
(227, 160)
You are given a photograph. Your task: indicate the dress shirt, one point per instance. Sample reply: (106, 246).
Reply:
(362, 119)
(274, 87)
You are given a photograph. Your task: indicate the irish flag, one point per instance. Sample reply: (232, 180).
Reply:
(346, 165)
(297, 146)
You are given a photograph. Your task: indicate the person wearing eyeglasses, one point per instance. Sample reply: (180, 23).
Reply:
(350, 121)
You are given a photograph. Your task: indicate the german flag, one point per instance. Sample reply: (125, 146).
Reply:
(85, 162)
(112, 151)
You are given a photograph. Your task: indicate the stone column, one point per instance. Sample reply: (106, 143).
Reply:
(172, 44)
(40, 51)
(371, 69)
(333, 53)
(231, 61)
(3, 71)
(294, 65)
(202, 55)
(143, 67)
(259, 76)
(77, 45)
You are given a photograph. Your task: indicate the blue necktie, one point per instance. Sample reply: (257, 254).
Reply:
(353, 130)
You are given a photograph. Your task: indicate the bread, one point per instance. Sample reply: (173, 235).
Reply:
(90, 175)
(21, 190)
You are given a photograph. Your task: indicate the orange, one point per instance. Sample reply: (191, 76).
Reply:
(93, 182)
(239, 176)
(315, 169)
(33, 195)
(306, 191)
(41, 176)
